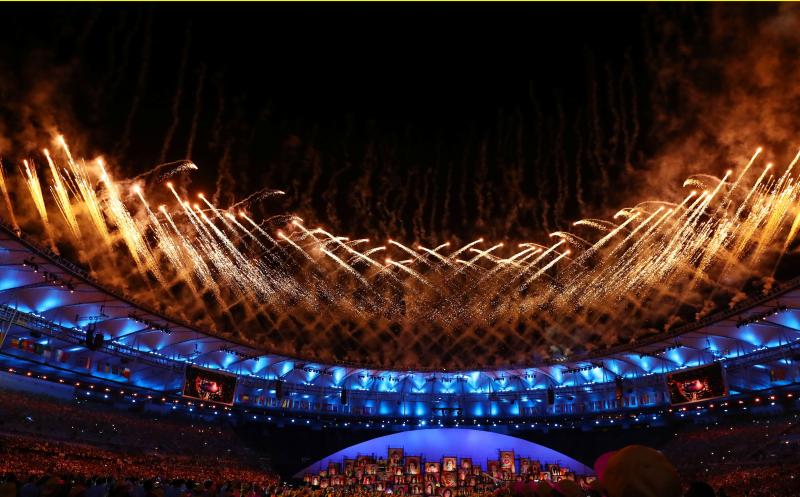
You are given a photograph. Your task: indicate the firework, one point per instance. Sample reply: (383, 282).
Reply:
(35, 189)
(293, 276)
(62, 197)
(7, 198)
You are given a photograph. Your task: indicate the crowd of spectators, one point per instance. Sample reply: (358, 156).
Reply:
(76, 485)
(40, 436)
(754, 457)
(57, 448)
(23, 455)
(99, 424)
(730, 441)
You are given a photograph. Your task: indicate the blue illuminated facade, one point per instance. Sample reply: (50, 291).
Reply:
(47, 304)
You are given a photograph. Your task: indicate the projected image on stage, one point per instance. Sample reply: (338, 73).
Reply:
(459, 459)
(697, 384)
(524, 465)
(209, 386)
(507, 460)
(395, 457)
(413, 465)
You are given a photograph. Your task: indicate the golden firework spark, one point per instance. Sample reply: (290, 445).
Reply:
(657, 249)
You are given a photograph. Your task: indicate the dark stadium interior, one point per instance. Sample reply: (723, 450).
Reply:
(426, 249)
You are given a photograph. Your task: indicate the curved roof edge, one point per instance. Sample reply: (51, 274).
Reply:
(571, 361)
(434, 443)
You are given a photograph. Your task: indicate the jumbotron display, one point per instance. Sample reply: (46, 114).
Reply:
(209, 386)
(697, 384)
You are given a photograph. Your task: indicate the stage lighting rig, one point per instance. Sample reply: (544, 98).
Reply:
(94, 340)
(761, 316)
(163, 328)
(241, 355)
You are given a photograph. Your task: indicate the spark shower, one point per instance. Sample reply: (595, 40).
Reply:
(301, 290)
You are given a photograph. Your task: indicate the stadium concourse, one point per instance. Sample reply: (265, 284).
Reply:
(102, 396)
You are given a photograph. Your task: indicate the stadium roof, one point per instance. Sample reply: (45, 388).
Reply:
(40, 290)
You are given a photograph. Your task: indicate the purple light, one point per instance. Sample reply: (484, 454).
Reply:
(435, 443)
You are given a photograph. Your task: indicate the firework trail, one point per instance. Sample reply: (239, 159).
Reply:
(560, 166)
(223, 173)
(578, 172)
(35, 189)
(176, 102)
(62, 197)
(167, 170)
(140, 84)
(256, 197)
(119, 71)
(654, 259)
(7, 199)
(198, 95)
(447, 193)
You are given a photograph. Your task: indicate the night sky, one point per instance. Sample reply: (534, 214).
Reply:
(421, 123)
(488, 108)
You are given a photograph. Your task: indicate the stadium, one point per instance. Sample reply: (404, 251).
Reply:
(159, 342)
(52, 312)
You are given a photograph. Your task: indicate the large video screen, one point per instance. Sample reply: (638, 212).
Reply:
(209, 386)
(697, 384)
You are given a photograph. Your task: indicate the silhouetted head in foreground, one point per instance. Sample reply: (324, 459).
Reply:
(638, 471)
